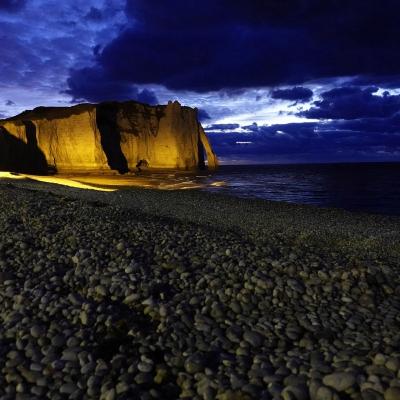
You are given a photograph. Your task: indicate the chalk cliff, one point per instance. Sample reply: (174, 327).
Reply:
(106, 136)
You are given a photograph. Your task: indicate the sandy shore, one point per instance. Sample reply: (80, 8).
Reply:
(148, 294)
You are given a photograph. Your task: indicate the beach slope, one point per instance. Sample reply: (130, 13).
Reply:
(166, 294)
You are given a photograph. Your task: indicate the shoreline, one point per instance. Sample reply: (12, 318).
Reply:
(252, 217)
(183, 294)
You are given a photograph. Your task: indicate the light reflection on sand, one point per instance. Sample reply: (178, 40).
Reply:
(58, 180)
(152, 180)
(178, 181)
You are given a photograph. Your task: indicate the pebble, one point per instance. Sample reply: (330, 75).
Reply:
(324, 393)
(58, 341)
(299, 392)
(370, 394)
(379, 359)
(120, 246)
(36, 331)
(253, 338)
(392, 393)
(83, 316)
(68, 388)
(339, 381)
(144, 366)
(393, 364)
(143, 378)
(101, 290)
(194, 363)
(109, 395)
(109, 303)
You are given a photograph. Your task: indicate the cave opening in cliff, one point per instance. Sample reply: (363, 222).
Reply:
(106, 118)
(202, 156)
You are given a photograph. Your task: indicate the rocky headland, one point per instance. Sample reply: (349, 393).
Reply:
(120, 137)
(143, 294)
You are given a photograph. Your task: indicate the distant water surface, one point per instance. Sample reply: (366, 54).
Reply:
(372, 187)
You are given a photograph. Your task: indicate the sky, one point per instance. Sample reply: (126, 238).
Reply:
(275, 81)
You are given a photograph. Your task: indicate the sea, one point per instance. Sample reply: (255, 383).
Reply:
(361, 187)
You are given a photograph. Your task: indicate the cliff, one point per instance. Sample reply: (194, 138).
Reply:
(106, 136)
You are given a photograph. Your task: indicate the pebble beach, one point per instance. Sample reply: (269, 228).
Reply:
(150, 294)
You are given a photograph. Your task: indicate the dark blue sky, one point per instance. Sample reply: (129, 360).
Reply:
(275, 80)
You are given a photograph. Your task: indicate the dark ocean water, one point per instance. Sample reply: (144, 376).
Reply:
(372, 187)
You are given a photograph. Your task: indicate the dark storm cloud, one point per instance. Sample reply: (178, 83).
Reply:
(89, 84)
(96, 50)
(370, 125)
(297, 93)
(252, 128)
(222, 44)
(361, 139)
(103, 12)
(203, 115)
(95, 14)
(145, 96)
(11, 5)
(388, 81)
(44, 41)
(223, 126)
(352, 103)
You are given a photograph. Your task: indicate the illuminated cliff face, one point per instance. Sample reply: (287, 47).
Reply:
(107, 136)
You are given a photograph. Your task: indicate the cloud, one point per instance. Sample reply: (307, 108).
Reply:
(11, 5)
(386, 81)
(352, 103)
(232, 45)
(145, 96)
(297, 93)
(39, 49)
(9, 103)
(94, 14)
(203, 115)
(223, 127)
(87, 85)
(223, 57)
(48, 44)
(104, 11)
(356, 140)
